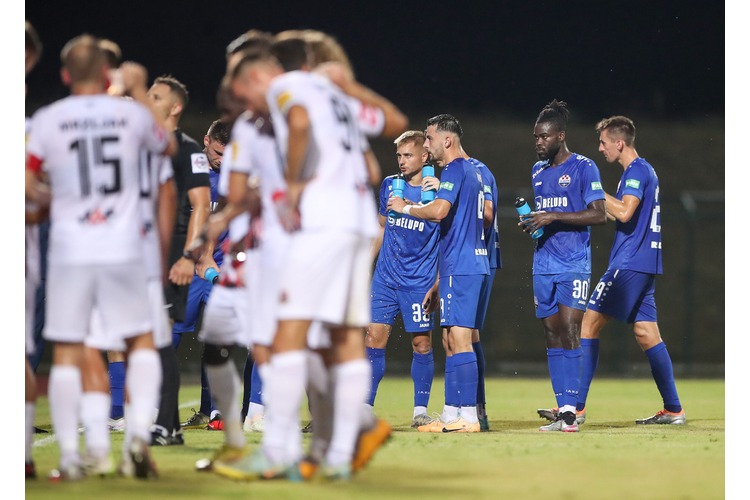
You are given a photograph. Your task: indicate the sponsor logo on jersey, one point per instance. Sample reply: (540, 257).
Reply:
(596, 186)
(633, 183)
(480, 251)
(234, 147)
(447, 186)
(407, 223)
(656, 245)
(96, 217)
(551, 202)
(283, 99)
(199, 162)
(538, 183)
(564, 180)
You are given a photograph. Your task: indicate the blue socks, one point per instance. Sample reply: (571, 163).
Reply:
(377, 360)
(256, 386)
(480, 371)
(422, 373)
(207, 405)
(555, 364)
(247, 384)
(572, 373)
(117, 389)
(661, 369)
(590, 348)
(467, 375)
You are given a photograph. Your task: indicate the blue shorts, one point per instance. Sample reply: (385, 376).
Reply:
(484, 298)
(460, 300)
(198, 293)
(568, 289)
(387, 303)
(625, 295)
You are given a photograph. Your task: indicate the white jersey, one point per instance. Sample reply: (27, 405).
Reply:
(336, 196)
(155, 171)
(89, 145)
(253, 151)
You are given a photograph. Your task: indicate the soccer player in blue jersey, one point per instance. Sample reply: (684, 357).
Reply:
(492, 239)
(463, 267)
(404, 272)
(214, 142)
(626, 290)
(569, 199)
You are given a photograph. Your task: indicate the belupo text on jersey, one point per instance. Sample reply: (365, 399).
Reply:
(407, 223)
(550, 202)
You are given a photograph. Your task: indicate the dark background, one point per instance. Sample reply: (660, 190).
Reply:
(494, 65)
(664, 59)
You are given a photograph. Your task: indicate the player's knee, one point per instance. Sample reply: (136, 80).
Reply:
(421, 344)
(215, 355)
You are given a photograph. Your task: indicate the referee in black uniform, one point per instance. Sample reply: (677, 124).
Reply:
(170, 97)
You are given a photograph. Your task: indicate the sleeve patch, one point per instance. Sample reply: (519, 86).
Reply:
(283, 99)
(633, 183)
(199, 162)
(596, 186)
(487, 189)
(448, 186)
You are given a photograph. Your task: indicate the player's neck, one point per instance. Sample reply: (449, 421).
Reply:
(627, 157)
(561, 156)
(87, 88)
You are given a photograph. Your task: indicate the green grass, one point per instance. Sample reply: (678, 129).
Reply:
(610, 458)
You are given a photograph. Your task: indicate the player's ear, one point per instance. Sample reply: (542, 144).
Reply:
(65, 76)
(176, 109)
(205, 141)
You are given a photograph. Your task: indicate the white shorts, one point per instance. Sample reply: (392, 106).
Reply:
(162, 331)
(225, 317)
(327, 278)
(263, 270)
(118, 291)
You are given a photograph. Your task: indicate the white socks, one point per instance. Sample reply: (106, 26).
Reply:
(352, 385)
(225, 388)
(94, 417)
(143, 385)
(285, 386)
(64, 392)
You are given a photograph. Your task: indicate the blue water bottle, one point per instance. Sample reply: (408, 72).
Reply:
(523, 208)
(398, 185)
(428, 171)
(211, 275)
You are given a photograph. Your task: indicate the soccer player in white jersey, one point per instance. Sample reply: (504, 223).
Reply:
(33, 52)
(89, 145)
(282, 444)
(158, 207)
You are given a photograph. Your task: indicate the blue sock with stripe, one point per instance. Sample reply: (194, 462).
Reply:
(377, 361)
(466, 378)
(590, 348)
(117, 389)
(422, 373)
(572, 372)
(555, 363)
(661, 369)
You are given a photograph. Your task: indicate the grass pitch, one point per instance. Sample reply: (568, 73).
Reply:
(610, 458)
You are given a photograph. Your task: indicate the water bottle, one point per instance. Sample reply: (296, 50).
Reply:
(398, 184)
(428, 171)
(523, 208)
(211, 275)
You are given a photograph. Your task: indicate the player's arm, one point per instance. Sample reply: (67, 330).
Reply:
(434, 211)
(377, 244)
(430, 301)
(395, 121)
(298, 121)
(489, 213)
(594, 214)
(374, 172)
(166, 215)
(622, 210)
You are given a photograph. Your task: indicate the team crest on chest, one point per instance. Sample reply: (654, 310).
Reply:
(564, 180)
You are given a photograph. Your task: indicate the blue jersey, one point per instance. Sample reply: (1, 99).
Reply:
(408, 256)
(637, 245)
(569, 187)
(213, 177)
(491, 234)
(462, 247)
